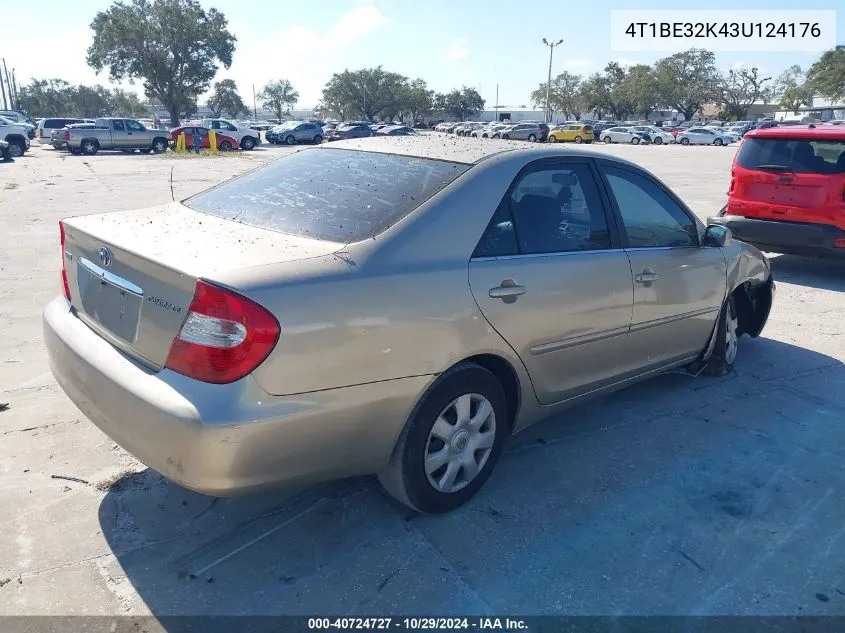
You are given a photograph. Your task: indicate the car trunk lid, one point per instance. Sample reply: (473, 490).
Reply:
(132, 275)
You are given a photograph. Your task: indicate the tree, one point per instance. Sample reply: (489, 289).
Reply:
(368, 93)
(461, 104)
(739, 89)
(639, 90)
(225, 98)
(125, 103)
(564, 95)
(416, 100)
(791, 90)
(90, 102)
(596, 94)
(46, 97)
(827, 76)
(278, 96)
(688, 80)
(173, 46)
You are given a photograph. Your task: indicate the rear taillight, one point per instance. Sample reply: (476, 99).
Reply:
(65, 284)
(67, 135)
(224, 337)
(839, 242)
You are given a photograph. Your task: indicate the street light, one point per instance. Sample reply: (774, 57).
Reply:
(549, 82)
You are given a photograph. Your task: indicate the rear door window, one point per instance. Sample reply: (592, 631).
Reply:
(808, 156)
(329, 194)
(118, 125)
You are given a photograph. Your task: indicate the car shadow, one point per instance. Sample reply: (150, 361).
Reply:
(822, 273)
(344, 547)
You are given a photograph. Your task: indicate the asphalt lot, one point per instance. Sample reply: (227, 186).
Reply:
(680, 495)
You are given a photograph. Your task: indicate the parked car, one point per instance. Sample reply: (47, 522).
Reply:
(703, 136)
(19, 117)
(116, 134)
(574, 132)
(489, 130)
(16, 135)
(621, 134)
(349, 130)
(293, 132)
(395, 130)
(46, 127)
(5, 151)
(206, 358)
(420, 125)
(786, 192)
(655, 134)
(467, 128)
(246, 136)
(520, 132)
(225, 143)
(57, 137)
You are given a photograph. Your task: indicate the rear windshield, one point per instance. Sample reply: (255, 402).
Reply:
(808, 156)
(329, 194)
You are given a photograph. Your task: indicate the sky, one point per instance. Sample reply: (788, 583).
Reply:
(449, 43)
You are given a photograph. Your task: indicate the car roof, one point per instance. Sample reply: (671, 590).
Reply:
(467, 150)
(832, 132)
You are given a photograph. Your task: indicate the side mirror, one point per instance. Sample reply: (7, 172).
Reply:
(717, 235)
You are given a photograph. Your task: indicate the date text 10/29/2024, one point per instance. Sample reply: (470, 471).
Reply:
(417, 624)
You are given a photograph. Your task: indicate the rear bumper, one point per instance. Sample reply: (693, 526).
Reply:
(225, 439)
(792, 238)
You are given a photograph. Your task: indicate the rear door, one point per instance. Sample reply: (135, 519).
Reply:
(549, 276)
(118, 133)
(679, 285)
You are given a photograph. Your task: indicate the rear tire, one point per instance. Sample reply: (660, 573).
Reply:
(89, 147)
(318, 139)
(658, 141)
(552, 138)
(225, 146)
(248, 143)
(684, 141)
(635, 140)
(579, 140)
(159, 145)
(466, 407)
(531, 138)
(727, 341)
(718, 142)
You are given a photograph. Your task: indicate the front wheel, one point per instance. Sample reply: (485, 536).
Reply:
(658, 141)
(607, 140)
(290, 140)
(684, 141)
(579, 140)
(552, 138)
(718, 142)
(248, 143)
(225, 146)
(531, 138)
(451, 442)
(89, 148)
(17, 149)
(727, 341)
(318, 139)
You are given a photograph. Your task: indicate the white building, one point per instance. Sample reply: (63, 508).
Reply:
(821, 110)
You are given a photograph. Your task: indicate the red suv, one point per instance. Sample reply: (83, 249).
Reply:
(787, 192)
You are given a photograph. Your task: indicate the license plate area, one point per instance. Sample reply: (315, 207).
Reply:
(113, 302)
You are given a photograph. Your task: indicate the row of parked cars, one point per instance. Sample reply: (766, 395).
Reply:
(316, 131)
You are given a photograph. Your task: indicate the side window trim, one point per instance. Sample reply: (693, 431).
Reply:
(619, 224)
(610, 214)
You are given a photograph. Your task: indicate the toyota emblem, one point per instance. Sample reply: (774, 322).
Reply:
(106, 256)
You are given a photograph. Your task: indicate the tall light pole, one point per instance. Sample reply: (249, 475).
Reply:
(549, 82)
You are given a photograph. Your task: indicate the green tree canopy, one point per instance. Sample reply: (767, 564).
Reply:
(688, 80)
(278, 96)
(791, 90)
(460, 104)
(564, 95)
(225, 98)
(369, 93)
(172, 46)
(740, 88)
(827, 76)
(58, 98)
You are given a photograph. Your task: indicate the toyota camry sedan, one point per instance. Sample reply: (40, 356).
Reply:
(394, 306)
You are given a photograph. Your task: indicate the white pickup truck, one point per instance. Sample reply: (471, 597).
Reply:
(16, 135)
(247, 137)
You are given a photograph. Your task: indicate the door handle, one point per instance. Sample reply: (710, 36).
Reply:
(508, 289)
(647, 276)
